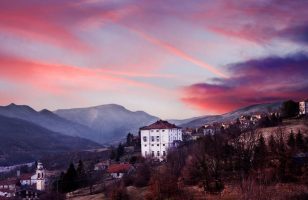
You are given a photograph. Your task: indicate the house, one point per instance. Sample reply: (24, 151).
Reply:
(158, 137)
(103, 165)
(9, 184)
(8, 187)
(25, 179)
(6, 193)
(303, 107)
(208, 129)
(119, 170)
(28, 193)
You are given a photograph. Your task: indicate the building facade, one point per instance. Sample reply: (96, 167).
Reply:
(303, 107)
(39, 178)
(158, 138)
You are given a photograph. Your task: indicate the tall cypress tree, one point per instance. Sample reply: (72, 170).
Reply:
(291, 140)
(70, 179)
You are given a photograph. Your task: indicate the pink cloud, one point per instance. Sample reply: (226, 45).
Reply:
(178, 52)
(62, 79)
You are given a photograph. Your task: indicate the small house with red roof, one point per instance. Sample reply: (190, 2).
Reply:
(119, 170)
(158, 138)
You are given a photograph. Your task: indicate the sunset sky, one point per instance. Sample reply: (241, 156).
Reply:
(170, 58)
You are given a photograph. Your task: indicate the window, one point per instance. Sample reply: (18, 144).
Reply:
(157, 138)
(152, 145)
(144, 139)
(163, 130)
(152, 139)
(158, 154)
(158, 145)
(145, 145)
(164, 153)
(152, 153)
(163, 144)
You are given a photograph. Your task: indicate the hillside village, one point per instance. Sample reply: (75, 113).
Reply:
(263, 154)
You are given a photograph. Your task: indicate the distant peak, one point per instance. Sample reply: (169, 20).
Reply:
(45, 111)
(15, 106)
(110, 106)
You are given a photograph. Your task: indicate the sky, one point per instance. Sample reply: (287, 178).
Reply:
(170, 58)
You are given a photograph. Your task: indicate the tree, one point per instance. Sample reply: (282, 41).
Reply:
(290, 109)
(119, 193)
(70, 179)
(260, 155)
(81, 173)
(163, 185)
(120, 152)
(272, 144)
(129, 139)
(143, 175)
(80, 169)
(291, 140)
(299, 140)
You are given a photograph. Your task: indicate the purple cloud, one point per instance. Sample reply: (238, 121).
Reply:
(254, 81)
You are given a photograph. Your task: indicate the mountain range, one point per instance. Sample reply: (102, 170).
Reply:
(27, 134)
(23, 141)
(111, 121)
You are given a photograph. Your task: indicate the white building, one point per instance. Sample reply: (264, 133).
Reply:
(303, 107)
(157, 138)
(39, 178)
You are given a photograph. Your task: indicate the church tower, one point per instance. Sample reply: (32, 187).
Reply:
(40, 177)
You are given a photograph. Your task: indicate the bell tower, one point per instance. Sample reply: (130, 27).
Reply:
(40, 176)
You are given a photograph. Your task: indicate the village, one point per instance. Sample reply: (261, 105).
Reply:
(131, 161)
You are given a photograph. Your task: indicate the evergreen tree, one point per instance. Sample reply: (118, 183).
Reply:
(80, 169)
(120, 152)
(113, 153)
(272, 144)
(82, 178)
(291, 140)
(260, 155)
(129, 139)
(299, 140)
(70, 179)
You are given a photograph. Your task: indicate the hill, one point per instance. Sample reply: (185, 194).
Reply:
(112, 121)
(22, 141)
(49, 120)
(257, 108)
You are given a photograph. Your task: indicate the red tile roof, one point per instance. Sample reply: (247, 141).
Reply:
(11, 181)
(25, 177)
(160, 124)
(119, 168)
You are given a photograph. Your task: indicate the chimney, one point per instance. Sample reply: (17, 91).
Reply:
(18, 173)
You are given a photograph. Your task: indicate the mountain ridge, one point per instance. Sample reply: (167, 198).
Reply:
(23, 141)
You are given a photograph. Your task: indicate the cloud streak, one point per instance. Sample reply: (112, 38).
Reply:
(176, 51)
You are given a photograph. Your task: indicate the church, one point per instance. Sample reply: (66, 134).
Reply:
(158, 138)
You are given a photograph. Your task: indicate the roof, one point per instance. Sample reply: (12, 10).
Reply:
(10, 181)
(25, 177)
(160, 124)
(119, 168)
